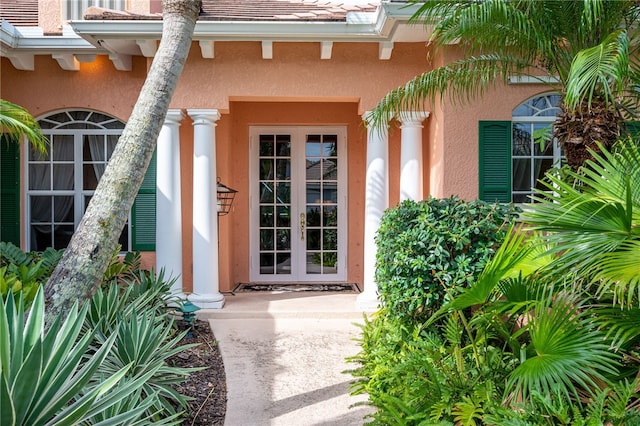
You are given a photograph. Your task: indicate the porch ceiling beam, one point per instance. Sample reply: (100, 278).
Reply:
(121, 62)
(147, 47)
(267, 49)
(67, 61)
(384, 50)
(206, 48)
(22, 61)
(325, 49)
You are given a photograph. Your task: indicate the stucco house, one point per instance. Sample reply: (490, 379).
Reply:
(271, 103)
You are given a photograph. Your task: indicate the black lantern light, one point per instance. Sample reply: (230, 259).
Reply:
(225, 198)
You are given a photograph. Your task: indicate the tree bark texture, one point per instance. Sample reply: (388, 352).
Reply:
(82, 266)
(581, 131)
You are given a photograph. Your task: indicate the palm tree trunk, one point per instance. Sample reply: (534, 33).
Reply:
(82, 266)
(579, 131)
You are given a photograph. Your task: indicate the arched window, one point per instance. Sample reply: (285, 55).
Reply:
(514, 154)
(533, 152)
(61, 183)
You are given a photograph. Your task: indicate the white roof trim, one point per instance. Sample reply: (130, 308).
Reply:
(20, 45)
(33, 40)
(121, 39)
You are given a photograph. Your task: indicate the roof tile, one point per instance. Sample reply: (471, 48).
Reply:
(25, 12)
(20, 12)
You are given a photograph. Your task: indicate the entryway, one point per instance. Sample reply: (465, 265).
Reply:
(298, 204)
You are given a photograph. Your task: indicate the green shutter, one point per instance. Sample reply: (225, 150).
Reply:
(143, 212)
(495, 161)
(9, 191)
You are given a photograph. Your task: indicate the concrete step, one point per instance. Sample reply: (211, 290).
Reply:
(303, 305)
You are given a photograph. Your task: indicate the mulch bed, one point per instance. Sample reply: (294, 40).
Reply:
(207, 387)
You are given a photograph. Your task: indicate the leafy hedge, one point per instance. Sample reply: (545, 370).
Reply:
(429, 250)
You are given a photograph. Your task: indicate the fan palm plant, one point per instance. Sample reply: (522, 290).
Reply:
(595, 225)
(571, 334)
(580, 48)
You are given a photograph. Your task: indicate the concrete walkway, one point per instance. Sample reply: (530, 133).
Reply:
(284, 357)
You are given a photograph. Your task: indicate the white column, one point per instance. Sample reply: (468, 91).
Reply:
(411, 177)
(206, 288)
(376, 201)
(168, 200)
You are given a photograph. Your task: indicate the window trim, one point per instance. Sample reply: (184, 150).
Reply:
(53, 127)
(537, 118)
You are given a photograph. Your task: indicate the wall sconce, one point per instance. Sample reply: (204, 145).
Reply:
(225, 198)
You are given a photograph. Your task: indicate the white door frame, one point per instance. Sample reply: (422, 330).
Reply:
(298, 195)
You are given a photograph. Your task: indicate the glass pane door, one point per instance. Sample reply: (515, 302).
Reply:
(321, 203)
(274, 195)
(298, 204)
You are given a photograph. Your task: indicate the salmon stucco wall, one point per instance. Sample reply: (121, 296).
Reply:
(97, 86)
(454, 132)
(353, 74)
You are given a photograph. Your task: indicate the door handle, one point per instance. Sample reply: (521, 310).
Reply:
(302, 223)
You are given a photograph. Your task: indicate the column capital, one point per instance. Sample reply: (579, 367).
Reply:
(204, 116)
(412, 118)
(174, 116)
(377, 132)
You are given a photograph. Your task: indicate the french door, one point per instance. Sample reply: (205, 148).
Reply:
(298, 204)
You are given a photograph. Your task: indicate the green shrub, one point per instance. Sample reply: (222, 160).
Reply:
(416, 376)
(122, 267)
(145, 342)
(23, 273)
(429, 250)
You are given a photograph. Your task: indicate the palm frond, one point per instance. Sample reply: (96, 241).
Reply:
(599, 71)
(567, 353)
(513, 251)
(16, 122)
(622, 325)
(619, 273)
(594, 226)
(463, 80)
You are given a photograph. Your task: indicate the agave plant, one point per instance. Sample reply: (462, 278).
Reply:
(136, 312)
(45, 375)
(145, 343)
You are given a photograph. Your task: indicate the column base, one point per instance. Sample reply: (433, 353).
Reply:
(367, 302)
(176, 298)
(207, 301)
